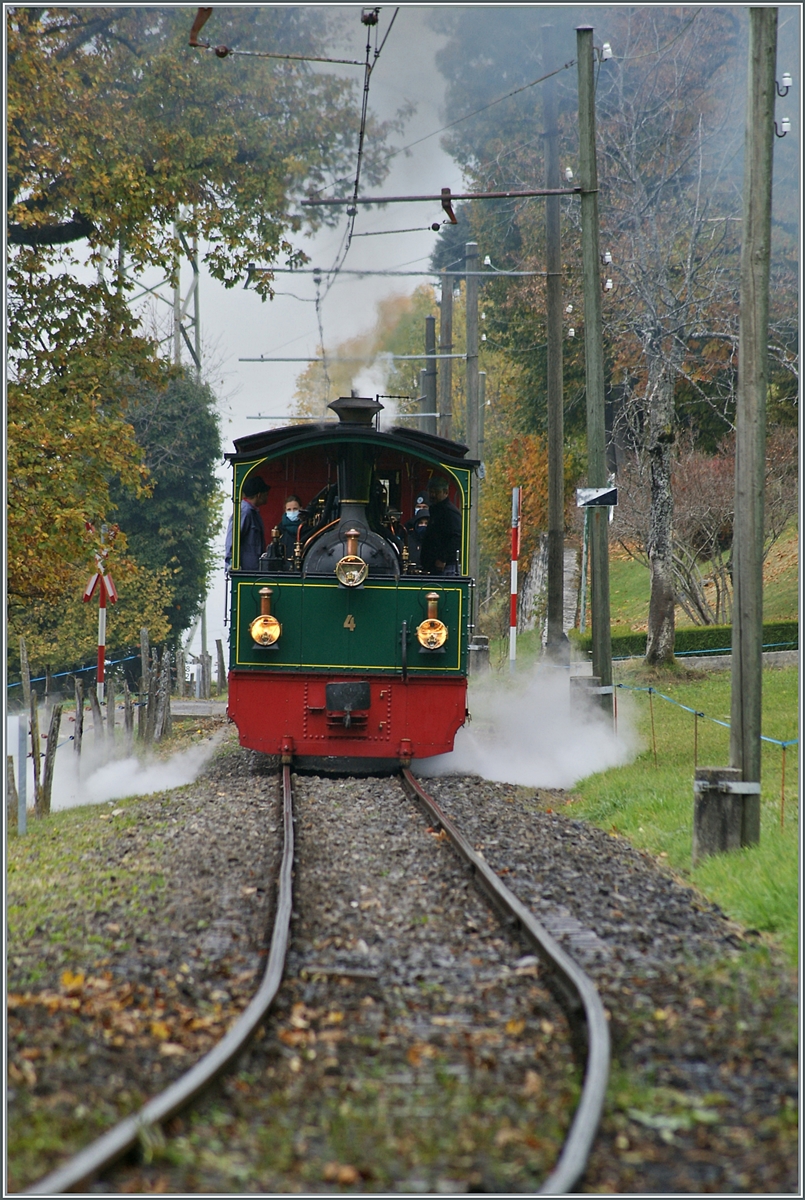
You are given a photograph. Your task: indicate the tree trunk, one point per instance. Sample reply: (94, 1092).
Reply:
(660, 640)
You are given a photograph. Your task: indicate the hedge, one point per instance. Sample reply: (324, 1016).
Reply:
(703, 639)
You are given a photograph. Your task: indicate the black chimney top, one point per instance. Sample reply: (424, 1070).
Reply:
(356, 410)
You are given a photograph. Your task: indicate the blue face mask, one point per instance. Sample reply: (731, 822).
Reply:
(293, 515)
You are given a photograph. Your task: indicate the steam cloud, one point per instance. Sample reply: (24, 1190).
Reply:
(525, 730)
(373, 381)
(96, 781)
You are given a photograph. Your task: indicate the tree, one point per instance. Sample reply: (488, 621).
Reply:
(73, 359)
(669, 135)
(116, 128)
(703, 488)
(117, 134)
(663, 185)
(177, 426)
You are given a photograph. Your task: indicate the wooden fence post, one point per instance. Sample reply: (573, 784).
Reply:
(110, 707)
(12, 798)
(142, 712)
(35, 746)
(162, 717)
(43, 800)
(151, 711)
(128, 717)
(25, 673)
(97, 716)
(717, 812)
(221, 667)
(79, 717)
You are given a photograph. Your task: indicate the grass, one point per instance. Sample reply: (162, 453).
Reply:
(652, 805)
(629, 586)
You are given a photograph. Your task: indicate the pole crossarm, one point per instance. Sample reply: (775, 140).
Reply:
(457, 271)
(364, 358)
(512, 195)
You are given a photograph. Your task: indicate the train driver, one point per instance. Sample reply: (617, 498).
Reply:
(441, 544)
(252, 533)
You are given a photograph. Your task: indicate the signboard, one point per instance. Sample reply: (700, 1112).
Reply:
(603, 497)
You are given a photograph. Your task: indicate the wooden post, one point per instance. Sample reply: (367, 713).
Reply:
(584, 690)
(142, 713)
(128, 717)
(48, 686)
(446, 347)
(110, 708)
(12, 798)
(78, 736)
(221, 667)
(716, 814)
(97, 716)
(180, 673)
(22, 758)
(471, 394)
(430, 391)
(43, 805)
(167, 720)
(151, 710)
(594, 365)
(750, 423)
(35, 747)
(557, 644)
(25, 674)
(162, 720)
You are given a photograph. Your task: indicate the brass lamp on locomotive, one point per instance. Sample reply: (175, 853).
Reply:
(343, 654)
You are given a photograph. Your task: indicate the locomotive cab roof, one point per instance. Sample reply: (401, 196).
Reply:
(352, 423)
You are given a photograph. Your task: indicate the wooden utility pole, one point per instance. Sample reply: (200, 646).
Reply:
(594, 366)
(429, 423)
(446, 347)
(472, 390)
(557, 642)
(750, 449)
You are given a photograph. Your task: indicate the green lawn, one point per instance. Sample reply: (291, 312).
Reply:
(652, 805)
(629, 586)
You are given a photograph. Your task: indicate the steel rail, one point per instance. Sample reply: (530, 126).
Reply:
(579, 989)
(85, 1165)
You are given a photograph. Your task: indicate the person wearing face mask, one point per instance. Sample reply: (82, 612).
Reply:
(291, 525)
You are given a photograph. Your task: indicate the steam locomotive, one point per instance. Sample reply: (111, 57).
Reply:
(344, 655)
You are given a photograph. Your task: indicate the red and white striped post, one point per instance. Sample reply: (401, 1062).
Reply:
(513, 596)
(106, 591)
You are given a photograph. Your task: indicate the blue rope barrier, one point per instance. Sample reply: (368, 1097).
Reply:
(77, 671)
(686, 708)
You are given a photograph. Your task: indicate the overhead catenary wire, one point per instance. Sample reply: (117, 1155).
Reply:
(499, 100)
(332, 274)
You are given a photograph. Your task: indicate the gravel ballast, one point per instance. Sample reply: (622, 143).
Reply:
(415, 1045)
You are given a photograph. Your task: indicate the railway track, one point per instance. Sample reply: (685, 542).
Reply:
(578, 997)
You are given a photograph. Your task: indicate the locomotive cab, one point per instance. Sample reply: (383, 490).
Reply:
(343, 654)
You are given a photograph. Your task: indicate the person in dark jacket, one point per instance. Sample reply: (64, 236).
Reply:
(252, 533)
(442, 541)
(293, 520)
